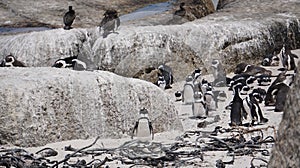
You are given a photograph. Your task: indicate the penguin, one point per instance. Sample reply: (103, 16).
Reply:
(209, 99)
(259, 94)
(264, 80)
(11, 61)
(143, 127)
(273, 88)
(69, 18)
(271, 60)
(188, 91)
(181, 11)
(110, 22)
(252, 108)
(199, 107)
(218, 73)
(196, 76)
(288, 58)
(161, 82)
(166, 72)
(178, 95)
(237, 110)
(251, 69)
(68, 62)
(281, 97)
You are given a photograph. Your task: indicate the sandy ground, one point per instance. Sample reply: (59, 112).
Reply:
(185, 112)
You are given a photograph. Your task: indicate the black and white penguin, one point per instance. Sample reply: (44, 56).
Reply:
(69, 18)
(161, 82)
(264, 80)
(271, 60)
(188, 91)
(11, 61)
(273, 88)
(251, 69)
(209, 99)
(199, 107)
(252, 108)
(178, 95)
(219, 74)
(143, 127)
(110, 22)
(288, 58)
(166, 72)
(237, 110)
(68, 62)
(259, 94)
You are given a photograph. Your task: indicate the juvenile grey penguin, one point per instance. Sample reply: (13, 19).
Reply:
(218, 73)
(143, 127)
(11, 61)
(188, 91)
(110, 22)
(69, 18)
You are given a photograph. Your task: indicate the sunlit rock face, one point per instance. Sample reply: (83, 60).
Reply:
(230, 35)
(285, 153)
(44, 105)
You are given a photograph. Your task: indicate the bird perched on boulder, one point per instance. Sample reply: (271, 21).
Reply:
(69, 18)
(110, 22)
(11, 61)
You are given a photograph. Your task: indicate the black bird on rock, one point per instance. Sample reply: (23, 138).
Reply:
(69, 18)
(110, 22)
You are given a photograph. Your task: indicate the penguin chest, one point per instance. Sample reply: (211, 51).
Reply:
(143, 129)
(209, 100)
(188, 94)
(198, 109)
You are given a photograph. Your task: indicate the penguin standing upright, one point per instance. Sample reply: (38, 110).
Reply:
(218, 73)
(237, 108)
(288, 58)
(199, 107)
(167, 73)
(69, 18)
(11, 61)
(143, 127)
(209, 99)
(188, 91)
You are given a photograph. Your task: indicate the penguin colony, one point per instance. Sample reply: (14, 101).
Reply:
(251, 87)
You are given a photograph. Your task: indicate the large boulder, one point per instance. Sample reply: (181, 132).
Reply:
(43, 105)
(286, 153)
(230, 35)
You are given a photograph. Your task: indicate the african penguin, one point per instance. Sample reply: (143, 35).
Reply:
(218, 73)
(199, 106)
(237, 110)
(209, 99)
(143, 127)
(264, 80)
(273, 88)
(188, 91)
(287, 58)
(161, 82)
(11, 61)
(252, 108)
(166, 72)
(68, 62)
(69, 18)
(270, 60)
(178, 95)
(251, 69)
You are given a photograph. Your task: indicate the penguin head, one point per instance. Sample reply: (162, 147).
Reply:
(215, 63)
(189, 78)
(197, 73)
(70, 8)
(9, 60)
(144, 112)
(60, 64)
(178, 94)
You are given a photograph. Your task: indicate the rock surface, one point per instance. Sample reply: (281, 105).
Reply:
(231, 35)
(287, 147)
(43, 105)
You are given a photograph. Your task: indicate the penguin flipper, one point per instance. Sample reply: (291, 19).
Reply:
(135, 128)
(151, 130)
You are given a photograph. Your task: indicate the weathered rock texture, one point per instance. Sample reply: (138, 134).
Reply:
(286, 152)
(231, 35)
(43, 105)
